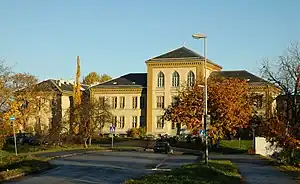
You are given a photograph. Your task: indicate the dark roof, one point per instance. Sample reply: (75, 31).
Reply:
(56, 85)
(63, 85)
(128, 80)
(181, 52)
(240, 74)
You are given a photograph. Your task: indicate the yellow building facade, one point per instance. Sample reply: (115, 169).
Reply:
(139, 99)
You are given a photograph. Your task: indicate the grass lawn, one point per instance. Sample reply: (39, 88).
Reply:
(30, 149)
(11, 166)
(217, 172)
(235, 144)
(226, 146)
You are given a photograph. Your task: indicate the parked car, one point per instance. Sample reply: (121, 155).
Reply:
(21, 138)
(163, 147)
(37, 140)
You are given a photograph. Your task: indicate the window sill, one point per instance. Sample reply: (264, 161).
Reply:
(175, 88)
(160, 88)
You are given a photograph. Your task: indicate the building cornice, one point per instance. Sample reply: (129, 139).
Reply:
(166, 63)
(116, 90)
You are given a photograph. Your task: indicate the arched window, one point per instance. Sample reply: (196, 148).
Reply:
(160, 80)
(191, 78)
(175, 79)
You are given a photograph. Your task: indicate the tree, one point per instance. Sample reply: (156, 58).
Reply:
(228, 104)
(104, 77)
(283, 128)
(91, 78)
(188, 108)
(5, 85)
(95, 114)
(30, 101)
(23, 80)
(75, 116)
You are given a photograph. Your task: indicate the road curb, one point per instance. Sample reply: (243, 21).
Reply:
(22, 174)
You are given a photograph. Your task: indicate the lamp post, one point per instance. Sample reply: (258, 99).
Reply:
(201, 36)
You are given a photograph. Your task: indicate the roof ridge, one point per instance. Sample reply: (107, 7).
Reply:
(194, 52)
(166, 52)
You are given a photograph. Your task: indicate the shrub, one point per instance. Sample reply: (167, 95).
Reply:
(142, 132)
(133, 132)
(136, 132)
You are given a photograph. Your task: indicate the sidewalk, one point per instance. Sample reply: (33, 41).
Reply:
(256, 170)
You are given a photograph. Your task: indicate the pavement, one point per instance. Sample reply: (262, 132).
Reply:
(105, 167)
(256, 170)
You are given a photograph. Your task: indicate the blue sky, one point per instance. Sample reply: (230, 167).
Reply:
(116, 37)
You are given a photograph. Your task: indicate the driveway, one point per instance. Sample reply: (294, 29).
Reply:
(106, 167)
(256, 170)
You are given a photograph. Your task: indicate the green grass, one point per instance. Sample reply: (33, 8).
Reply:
(217, 172)
(234, 144)
(11, 166)
(30, 149)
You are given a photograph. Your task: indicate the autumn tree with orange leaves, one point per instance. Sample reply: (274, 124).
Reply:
(229, 105)
(283, 128)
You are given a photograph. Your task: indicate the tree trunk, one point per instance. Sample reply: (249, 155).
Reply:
(85, 142)
(90, 141)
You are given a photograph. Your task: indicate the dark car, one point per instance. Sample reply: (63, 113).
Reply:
(21, 138)
(37, 140)
(163, 147)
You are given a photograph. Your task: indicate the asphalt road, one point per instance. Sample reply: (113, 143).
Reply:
(256, 170)
(106, 167)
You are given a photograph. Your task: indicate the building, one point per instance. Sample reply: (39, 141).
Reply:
(264, 92)
(53, 106)
(139, 99)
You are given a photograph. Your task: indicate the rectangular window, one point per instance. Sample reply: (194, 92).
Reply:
(258, 101)
(159, 122)
(134, 121)
(134, 102)
(122, 102)
(121, 123)
(173, 125)
(114, 102)
(114, 121)
(174, 100)
(142, 121)
(102, 100)
(142, 102)
(160, 102)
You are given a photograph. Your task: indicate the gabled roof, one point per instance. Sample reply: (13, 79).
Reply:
(128, 80)
(63, 85)
(181, 52)
(240, 74)
(52, 85)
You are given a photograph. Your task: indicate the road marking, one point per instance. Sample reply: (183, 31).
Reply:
(162, 162)
(157, 169)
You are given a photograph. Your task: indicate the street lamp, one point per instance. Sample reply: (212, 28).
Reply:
(202, 36)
